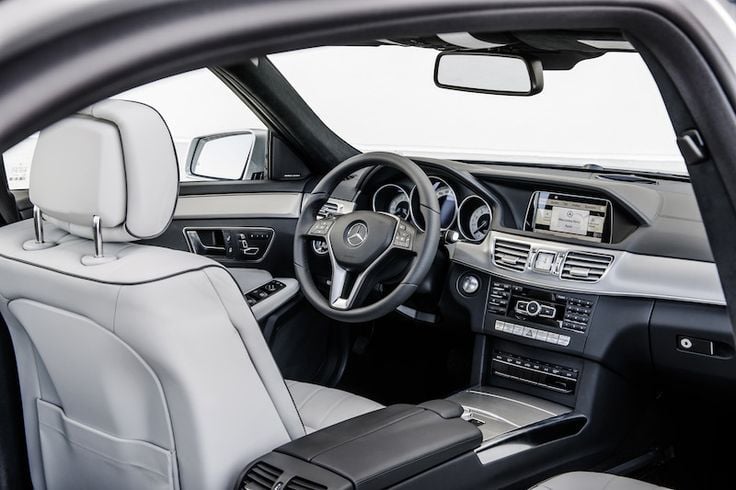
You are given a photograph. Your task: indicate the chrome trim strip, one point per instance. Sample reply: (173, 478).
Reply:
(244, 205)
(483, 393)
(629, 274)
(492, 415)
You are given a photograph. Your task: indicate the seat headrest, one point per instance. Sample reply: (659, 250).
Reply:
(115, 160)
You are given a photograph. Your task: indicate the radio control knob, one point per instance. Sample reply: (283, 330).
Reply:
(532, 308)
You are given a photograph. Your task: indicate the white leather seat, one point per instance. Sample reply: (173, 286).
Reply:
(320, 407)
(587, 480)
(142, 368)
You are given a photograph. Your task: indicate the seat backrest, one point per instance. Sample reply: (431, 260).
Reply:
(140, 367)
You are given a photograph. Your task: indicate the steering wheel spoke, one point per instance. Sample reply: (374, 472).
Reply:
(346, 286)
(341, 280)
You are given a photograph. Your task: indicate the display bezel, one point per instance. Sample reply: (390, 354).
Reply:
(531, 217)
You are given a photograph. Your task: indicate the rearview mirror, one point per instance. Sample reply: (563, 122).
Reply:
(489, 73)
(221, 156)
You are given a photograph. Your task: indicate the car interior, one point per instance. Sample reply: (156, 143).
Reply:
(279, 307)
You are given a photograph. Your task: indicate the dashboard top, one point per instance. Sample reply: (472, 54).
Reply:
(657, 217)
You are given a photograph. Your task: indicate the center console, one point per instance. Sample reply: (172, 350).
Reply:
(548, 317)
(377, 450)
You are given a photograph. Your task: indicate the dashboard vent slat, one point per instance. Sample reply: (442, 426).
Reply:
(262, 476)
(511, 255)
(585, 266)
(299, 483)
(328, 209)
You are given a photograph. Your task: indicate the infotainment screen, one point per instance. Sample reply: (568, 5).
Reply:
(585, 218)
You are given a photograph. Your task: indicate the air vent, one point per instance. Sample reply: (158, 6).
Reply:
(585, 266)
(329, 208)
(261, 476)
(511, 255)
(298, 483)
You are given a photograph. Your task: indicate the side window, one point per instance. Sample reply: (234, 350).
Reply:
(208, 122)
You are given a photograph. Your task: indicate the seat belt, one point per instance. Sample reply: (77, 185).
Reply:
(8, 207)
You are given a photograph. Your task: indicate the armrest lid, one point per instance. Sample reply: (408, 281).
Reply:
(384, 447)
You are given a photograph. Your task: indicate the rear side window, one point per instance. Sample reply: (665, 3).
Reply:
(195, 105)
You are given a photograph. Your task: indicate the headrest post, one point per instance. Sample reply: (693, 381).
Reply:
(38, 224)
(97, 235)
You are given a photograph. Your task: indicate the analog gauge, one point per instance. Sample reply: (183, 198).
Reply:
(399, 206)
(446, 198)
(392, 199)
(480, 222)
(475, 218)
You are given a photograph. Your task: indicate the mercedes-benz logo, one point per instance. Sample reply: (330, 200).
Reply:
(356, 234)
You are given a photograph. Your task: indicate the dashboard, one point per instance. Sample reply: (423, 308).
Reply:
(556, 265)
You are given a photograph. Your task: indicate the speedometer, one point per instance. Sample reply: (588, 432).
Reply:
(446, 198)
(399, 206)
(480, 222)
(392, 199)
(474, 218)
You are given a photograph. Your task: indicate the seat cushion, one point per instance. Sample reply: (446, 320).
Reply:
(320, 407)
(585, 480)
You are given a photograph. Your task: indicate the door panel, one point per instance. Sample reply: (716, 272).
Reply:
(25, 208)
(276, 259)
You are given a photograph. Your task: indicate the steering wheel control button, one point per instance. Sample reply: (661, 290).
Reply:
(695, 345)
(321, 227)
(403, 237)
(469, 284)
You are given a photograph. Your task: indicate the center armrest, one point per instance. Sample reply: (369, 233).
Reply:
(382, 448)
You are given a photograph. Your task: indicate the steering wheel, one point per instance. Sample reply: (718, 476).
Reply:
(364, 245)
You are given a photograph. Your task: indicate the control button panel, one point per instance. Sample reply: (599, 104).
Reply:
(553, 377)
(259, 294)
(249, 244)
(572, 312)
(498, 299)
(404, 236)
(532, 333)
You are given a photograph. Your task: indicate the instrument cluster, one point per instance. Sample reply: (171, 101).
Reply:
(471, 216)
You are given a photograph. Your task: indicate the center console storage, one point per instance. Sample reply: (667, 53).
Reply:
(376, 450)
(497, 411)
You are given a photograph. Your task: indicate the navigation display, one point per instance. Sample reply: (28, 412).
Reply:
(585, 218)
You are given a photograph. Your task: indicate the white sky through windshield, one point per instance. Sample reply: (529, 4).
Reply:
(607, 110)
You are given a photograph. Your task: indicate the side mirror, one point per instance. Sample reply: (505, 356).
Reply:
(489, 73)
(223, 156)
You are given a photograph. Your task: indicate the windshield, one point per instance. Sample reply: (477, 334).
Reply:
(605, 111)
